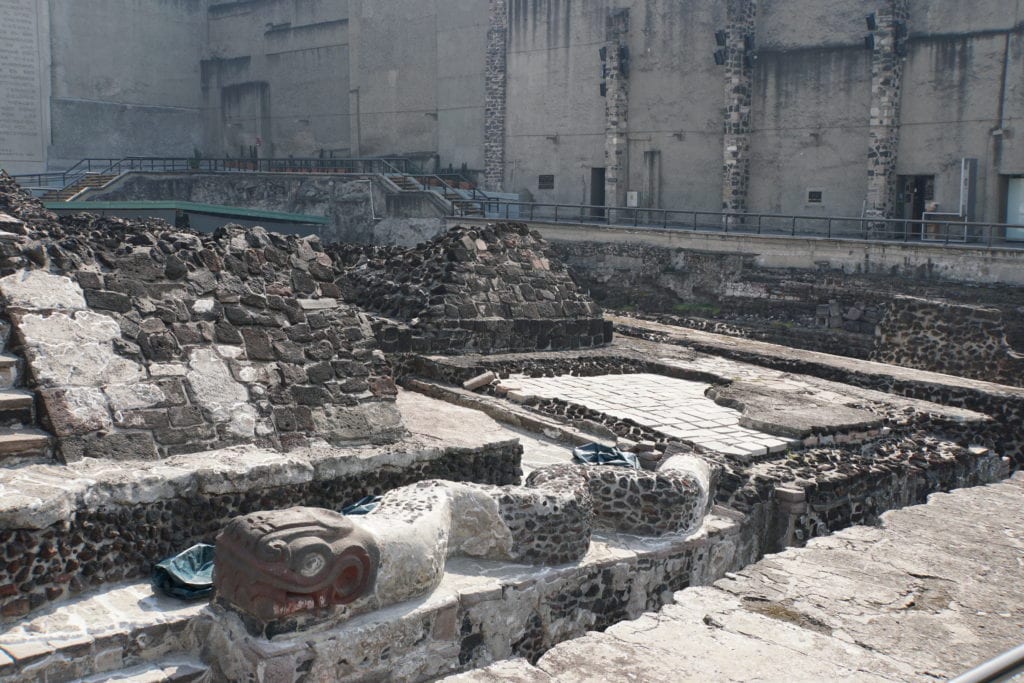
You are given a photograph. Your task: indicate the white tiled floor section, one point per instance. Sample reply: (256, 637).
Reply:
(674, 407)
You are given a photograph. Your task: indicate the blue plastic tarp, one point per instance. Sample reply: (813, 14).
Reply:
(187, 575)
(596, 454)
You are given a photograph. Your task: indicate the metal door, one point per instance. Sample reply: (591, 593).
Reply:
(1015, 209)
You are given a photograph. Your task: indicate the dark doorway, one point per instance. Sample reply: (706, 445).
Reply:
(916, 192)
(597, 191)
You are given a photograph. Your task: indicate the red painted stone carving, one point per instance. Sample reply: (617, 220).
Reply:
(276, 564)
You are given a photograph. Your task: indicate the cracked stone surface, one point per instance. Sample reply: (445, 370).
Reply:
(927, 595)
(674, 407)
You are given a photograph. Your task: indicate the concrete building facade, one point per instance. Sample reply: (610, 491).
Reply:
(831, 107)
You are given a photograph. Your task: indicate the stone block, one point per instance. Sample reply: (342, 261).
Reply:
(74, 411)
(75, 350)
(37, 289)
(108, 301)
(134, 396)
(257, 344)
(185, 416)
(115, 446)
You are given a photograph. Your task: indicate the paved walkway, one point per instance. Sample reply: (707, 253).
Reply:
(675, 407)
(932, 592)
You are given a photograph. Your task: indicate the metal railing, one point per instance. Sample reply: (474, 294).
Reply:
(1005, 667)
(828, 227)
(110, 166)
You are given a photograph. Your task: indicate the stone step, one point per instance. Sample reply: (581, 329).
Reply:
(123, 628)
(9, 369)
(28, 442)
(180, 669)
(16, 407)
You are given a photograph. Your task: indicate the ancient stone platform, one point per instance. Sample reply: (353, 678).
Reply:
(928, 594)
(674, 407)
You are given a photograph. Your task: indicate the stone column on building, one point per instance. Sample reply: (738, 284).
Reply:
(884, 130)
(496, 96)
(740, 31)
(616, 147)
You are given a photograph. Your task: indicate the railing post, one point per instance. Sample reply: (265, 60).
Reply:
(664, 220)
(556, 213)
(695, 221)
(792, 229)
(759, 217)
(829, 228)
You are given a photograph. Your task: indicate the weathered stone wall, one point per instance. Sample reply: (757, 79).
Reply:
(497, 95)
(93, 527)
(460, 627)
(968, 341)
(145, 341)
(740, 43)
(888, 50)
(493, 289)
(823, 310)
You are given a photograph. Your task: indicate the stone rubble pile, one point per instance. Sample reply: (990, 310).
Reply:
(489, 289)
(147, 341)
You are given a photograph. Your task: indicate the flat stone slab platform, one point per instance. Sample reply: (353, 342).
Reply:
(930, 593)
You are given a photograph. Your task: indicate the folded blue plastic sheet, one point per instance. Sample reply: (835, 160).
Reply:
(363, 506)
(596, 454)
(187, 575)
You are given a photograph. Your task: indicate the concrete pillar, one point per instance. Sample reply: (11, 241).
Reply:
(886, 87)
(741, 17)
(616, 146)
(496, 96)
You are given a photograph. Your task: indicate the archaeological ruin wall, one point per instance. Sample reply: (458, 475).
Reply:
(492, 289)
(970, 329)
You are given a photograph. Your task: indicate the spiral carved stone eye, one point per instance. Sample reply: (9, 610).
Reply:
(311, 565)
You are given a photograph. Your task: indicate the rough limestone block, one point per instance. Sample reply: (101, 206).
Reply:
(74, 411)
(76, 350)
(225, 400)
(37, 289)
(134, 396)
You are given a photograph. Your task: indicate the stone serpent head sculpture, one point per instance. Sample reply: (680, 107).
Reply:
(275, 564)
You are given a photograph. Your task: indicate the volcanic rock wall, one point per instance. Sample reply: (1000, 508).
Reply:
(492, 289)
(969, 341)
(145, 341)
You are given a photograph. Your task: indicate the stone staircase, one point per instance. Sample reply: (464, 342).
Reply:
(405, 183)
(21, 439)
(122, 633)
(456, 201)
(88, 181)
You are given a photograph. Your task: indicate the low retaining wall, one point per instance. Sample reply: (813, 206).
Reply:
(487, 611)
(98, 523)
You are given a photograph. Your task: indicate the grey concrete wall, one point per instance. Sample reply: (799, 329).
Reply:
(24, 88)
(966, 75)
(812, 94)
(276, 77)
(419, 67)
(810, 120)
(125, 77)
(555, 119)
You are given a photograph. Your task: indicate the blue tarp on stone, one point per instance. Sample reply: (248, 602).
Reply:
(187, 575)
(596, 454)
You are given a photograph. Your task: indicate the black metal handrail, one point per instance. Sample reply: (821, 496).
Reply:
(830, 227)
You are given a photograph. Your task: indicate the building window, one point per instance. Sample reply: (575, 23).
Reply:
(546, 182)
(815, 196)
